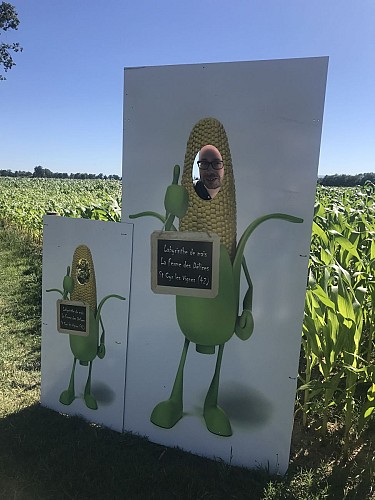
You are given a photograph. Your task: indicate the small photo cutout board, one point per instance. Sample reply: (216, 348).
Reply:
(86, 280)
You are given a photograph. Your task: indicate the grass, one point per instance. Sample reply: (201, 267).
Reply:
(20, 312)
(47, 455)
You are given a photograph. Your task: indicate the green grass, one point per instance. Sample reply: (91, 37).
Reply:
(20, 313)
(47, 455)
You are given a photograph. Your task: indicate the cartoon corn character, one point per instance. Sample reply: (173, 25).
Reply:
(80, 286)
(209, 322)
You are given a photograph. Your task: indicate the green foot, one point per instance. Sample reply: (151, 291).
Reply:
(91, 402)
(166, 414)
(217, 421)
(67, 397)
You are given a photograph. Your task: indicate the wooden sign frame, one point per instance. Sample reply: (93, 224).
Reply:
(188, 260)
(72, 331)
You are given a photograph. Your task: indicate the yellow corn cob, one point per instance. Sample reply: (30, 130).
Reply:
(219, 214)
(84, 290)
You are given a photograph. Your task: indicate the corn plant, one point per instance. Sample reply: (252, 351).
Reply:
(338, 339)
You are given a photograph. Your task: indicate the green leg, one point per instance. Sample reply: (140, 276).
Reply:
(68, 396)
(167, 413)
(216, 420)
(89, 399)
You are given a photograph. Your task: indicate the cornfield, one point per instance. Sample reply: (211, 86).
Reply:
(337, 376)
(24, 201)
(338, 328)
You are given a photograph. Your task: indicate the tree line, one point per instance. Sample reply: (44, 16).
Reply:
(339, 180)
(41, 172)
(345, 180)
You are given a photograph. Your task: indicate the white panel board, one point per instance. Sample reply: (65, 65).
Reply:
(111, 246)
(272, 112)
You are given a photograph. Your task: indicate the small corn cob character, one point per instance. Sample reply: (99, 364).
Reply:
(209, 322)
(80, 286)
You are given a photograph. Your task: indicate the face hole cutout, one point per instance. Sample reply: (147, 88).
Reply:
(83, 271)
(208, 172)
(195, 169)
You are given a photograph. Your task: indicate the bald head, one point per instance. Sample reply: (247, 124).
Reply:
(211, 151)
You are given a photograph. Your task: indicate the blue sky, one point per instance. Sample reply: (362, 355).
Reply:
(61, 106)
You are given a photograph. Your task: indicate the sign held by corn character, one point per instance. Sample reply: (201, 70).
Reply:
(185, 263)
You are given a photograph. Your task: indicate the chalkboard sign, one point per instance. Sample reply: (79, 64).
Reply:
(73, 317)
(185, 263)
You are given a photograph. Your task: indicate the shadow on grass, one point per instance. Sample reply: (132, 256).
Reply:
(47, 455)
(44, 454)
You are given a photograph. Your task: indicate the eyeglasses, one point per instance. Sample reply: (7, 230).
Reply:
(215, 164)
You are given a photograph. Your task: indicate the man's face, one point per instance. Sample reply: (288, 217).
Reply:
(211, 177)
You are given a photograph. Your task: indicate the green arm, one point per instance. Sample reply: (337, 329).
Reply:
(245, 323)
(248, 299)
(176, 200)
(104, 300)
(169, 217)
(67, 285)
(148, 214)
(152, 214)
(101, 348)
(246, 235)
(55, 290)
(169, 226)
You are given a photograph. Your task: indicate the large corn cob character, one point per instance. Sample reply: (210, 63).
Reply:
(218, 215)
(80, 286)
(209, 322)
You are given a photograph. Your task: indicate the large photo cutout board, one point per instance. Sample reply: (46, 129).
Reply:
(217, 376)
(86, 291)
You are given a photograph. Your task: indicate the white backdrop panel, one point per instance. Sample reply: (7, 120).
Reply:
(272, 112)
(111, 246)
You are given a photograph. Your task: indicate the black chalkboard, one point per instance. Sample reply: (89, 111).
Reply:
(72, 317)
(185, 263)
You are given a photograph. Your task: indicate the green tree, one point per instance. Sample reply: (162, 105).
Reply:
(8, 21)
(39, 171)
